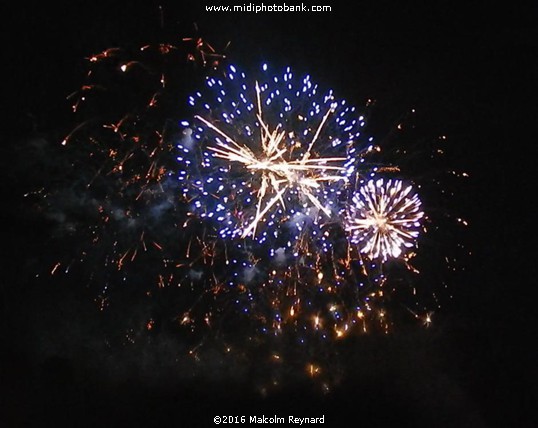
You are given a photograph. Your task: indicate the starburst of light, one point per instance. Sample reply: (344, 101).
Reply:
(270, 152)
(385, 218)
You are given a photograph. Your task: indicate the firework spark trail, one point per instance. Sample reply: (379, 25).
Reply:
(118, 196)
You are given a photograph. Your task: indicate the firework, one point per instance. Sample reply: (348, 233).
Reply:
(262, 218)
(274, 159)
(384, 219)
(270, 150)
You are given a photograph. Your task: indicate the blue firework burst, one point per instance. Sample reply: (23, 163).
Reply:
(266, 152)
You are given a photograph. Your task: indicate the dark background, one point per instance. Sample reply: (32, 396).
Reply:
(469, 72)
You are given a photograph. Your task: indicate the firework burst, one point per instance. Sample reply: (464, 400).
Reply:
(269, 152)
(384, 219)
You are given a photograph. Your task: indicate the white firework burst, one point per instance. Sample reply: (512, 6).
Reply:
(384, 219)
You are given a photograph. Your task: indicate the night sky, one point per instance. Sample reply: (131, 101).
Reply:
(470, 74)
